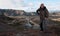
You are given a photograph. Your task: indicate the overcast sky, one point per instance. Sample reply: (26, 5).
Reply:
(29, 5)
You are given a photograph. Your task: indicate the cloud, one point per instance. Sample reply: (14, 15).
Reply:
(9, 4)
(53, 6)
(6, 4)
(30, 4)
(17, 2)
(27, 6)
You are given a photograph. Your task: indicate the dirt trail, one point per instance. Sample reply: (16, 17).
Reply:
(33, 32)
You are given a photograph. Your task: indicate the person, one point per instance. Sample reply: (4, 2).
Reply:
(43, 14)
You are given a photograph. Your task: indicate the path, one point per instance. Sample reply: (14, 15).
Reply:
(35, 32)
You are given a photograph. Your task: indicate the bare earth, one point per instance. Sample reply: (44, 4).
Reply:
(53, 29)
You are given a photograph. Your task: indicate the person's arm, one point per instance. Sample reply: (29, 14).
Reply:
(47, 13)
(38, 11)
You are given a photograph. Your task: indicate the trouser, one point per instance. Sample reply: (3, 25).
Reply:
(43, 24)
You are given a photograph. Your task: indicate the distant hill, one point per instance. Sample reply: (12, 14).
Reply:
(56, 13)
(11, 12)
(30, 13)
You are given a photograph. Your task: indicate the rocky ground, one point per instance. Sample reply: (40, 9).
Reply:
(14, 27)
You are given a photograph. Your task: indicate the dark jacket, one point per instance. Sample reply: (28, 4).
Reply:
(43, 13)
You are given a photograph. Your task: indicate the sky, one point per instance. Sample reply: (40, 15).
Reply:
(29, 5)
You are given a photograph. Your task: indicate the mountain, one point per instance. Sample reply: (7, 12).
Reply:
(11, 12)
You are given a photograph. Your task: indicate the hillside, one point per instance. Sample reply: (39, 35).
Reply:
(16, 25)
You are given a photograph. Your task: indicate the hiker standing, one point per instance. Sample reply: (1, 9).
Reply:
(44, 14)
